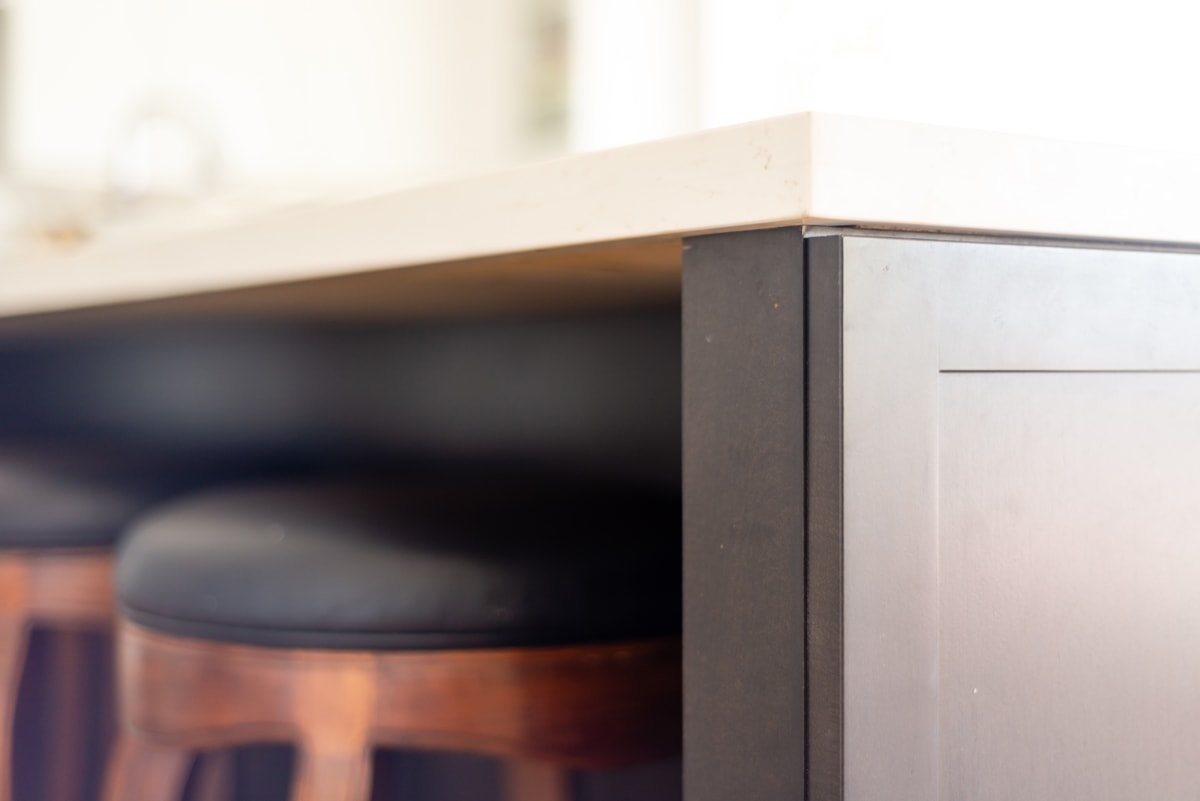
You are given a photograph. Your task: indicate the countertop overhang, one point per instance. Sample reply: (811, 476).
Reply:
(609, 224)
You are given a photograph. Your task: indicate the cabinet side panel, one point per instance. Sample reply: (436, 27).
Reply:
(743, 477)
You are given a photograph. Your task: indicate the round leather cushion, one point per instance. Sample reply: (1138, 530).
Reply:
(70, 497)
(407, 566)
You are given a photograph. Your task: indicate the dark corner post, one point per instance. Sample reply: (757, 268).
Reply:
(744, 516)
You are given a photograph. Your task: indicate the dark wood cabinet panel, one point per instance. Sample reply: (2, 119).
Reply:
(743, 512)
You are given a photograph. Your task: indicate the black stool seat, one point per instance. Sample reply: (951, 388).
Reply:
(55, 497)
(407, 566)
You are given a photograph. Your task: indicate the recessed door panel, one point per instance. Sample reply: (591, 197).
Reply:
(1069, 586)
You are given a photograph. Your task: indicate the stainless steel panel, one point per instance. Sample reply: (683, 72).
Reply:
(1031, 535)
(1003, 307)
(1069, 578)
(890, 522)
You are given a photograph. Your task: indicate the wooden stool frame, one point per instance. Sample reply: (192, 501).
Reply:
(546, 710)
(68, 590)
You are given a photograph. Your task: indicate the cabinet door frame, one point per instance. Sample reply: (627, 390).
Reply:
(914, 309)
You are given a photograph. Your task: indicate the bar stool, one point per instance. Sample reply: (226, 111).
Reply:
(61, 508)
(530, 622)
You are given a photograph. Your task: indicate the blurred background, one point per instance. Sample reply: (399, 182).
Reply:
(117, 111)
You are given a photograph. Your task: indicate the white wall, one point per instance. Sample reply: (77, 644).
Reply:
(1094, 70)
(634, 70)
(336, 91)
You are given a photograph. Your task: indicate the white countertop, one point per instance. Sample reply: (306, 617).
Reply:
(812, 168)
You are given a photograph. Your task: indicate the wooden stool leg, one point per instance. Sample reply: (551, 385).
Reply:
(525, 780)
(67, 751)
(141, 771)
(339, 773)
(14, 637)
(216, 777)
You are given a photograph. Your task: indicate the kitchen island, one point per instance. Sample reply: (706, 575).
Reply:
(940, 421)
